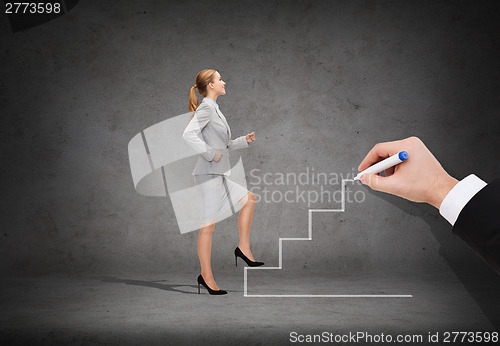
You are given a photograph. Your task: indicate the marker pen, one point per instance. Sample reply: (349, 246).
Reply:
(385, 164)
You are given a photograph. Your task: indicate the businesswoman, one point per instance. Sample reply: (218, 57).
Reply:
(209, 134)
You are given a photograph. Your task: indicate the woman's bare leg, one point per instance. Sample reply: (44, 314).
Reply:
(245, 222)
(204, 253)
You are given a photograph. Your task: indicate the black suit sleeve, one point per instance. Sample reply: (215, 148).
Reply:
(478, 224)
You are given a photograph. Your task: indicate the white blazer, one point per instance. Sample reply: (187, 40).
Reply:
(207, 132)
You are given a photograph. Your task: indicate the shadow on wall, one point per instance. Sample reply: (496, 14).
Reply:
(23, 16)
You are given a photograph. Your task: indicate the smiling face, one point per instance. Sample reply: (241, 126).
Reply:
(217, 85)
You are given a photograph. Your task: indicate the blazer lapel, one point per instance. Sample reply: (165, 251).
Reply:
(223, 118)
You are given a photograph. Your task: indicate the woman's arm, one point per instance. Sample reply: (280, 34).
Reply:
(192, 131)
(238, 143)
(241, 142)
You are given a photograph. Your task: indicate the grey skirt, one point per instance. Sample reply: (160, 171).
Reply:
(219, 196)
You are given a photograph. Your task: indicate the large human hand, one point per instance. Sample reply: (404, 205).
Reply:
(218, 156)
(250, 137)
(421, 178)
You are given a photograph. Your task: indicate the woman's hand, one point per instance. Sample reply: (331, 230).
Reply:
(421, 178)
(218, 156)
(250, 137)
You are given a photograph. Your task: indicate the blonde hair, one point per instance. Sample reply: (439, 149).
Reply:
(203, 78)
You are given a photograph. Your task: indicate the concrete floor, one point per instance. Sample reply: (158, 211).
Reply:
(166, 309)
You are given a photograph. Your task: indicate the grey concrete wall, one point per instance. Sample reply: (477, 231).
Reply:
(320, 82)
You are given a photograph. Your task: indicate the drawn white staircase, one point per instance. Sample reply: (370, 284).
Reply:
(280, 244)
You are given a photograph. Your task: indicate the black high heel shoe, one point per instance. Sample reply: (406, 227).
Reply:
(211, 291)
(238, 253)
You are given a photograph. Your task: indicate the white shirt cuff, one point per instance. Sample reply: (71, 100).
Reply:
(459, 196)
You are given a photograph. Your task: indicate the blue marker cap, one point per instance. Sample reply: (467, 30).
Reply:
(403, 155)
